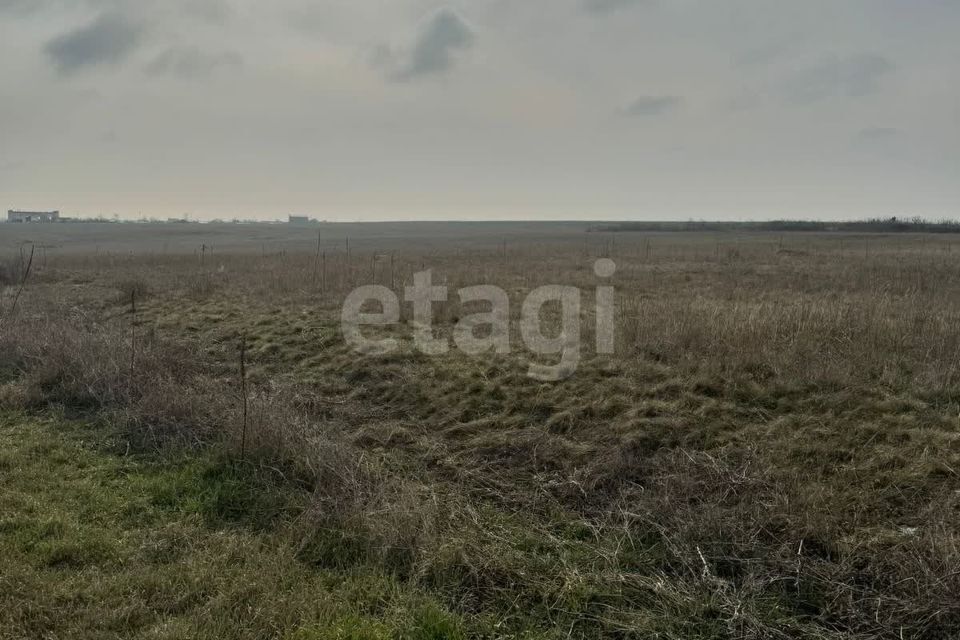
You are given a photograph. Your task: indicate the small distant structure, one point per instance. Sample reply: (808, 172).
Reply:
(33, 216)
(299, 220)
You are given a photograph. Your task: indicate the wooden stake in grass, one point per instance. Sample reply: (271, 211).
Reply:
(133, 334)
(243, 394)
(316, 261)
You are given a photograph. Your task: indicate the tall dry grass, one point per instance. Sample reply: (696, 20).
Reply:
(772, 451)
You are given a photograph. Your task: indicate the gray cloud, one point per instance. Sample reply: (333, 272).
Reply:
(18, 6)
(109, 39)
(191, 62)
(850, 76)
(883, 141)
(439, 39)
(606, 6)
(211, 11)
(761, 55)
(653, 106)
(877, 133)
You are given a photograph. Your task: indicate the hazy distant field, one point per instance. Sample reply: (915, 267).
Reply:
(187, 238)
(772, 451)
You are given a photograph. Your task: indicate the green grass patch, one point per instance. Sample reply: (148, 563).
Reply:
(100, 545)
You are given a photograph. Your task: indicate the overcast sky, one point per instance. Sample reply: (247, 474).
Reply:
(481, 109)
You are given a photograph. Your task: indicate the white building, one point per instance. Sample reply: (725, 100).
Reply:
(33, 216)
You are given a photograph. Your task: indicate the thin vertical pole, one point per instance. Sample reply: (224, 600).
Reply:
(316, 261)
(133, 334)
(243, 393)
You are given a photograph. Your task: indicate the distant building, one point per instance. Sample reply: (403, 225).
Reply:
(33, 216)
(299, 220)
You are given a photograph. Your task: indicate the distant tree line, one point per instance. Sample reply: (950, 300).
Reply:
(870, 225)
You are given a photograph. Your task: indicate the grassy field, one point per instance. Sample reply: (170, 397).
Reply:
(772, 451)
(101, 543)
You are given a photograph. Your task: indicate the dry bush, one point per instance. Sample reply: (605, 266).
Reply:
(11, 271)
(136, 288)
(357, 508)
(64, 356)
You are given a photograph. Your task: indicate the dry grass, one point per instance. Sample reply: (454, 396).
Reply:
(772, 452)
